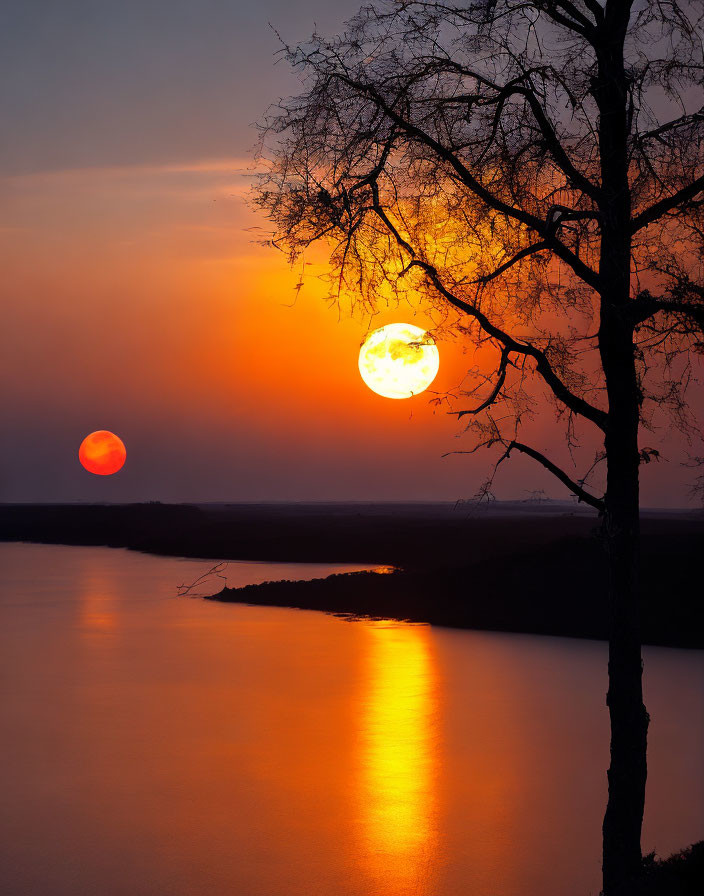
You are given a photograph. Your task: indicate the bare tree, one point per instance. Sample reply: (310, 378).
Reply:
(534, 171)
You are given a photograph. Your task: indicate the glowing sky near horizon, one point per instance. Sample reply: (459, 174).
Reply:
(133, 291)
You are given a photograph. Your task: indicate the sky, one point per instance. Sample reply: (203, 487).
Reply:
(135, 298)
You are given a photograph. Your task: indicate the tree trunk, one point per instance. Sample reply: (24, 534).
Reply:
(627, 773)
(629, 719)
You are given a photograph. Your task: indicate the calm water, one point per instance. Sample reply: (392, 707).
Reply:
(172, 746)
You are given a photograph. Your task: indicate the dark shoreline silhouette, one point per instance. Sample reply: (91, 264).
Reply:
(515, 568)
(550, 590)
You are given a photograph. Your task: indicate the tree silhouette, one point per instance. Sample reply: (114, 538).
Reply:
(535, 170)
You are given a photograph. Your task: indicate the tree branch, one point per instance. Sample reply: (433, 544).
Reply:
(217, 570)
(646, 306)
(556, 148)
(597, 11)
(464, 174)
(503, 364)
(524, 253)
(582, 495)
(574, 20)
(582, 270)
(668, 204)
(543, 366)
(680, 122)
(559, 389)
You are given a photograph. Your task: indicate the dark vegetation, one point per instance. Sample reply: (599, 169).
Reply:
(396, 534)
(680, 875)
(482, 569)
(533, 590)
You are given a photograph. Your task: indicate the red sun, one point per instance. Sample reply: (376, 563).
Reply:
(102, 453)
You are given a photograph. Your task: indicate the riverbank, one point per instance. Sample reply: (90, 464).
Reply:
(551, 589)
(515, 567)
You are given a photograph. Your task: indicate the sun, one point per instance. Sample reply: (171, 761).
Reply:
(102, 453)
(399, 360)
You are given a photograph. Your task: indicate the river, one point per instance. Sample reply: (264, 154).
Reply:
(157, 745)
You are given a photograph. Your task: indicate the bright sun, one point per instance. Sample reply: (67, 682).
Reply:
(102, 453)
(399, 361)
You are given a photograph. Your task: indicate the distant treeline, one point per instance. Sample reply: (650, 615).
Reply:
(398, 534)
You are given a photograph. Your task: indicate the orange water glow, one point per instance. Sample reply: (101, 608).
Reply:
(102, 453)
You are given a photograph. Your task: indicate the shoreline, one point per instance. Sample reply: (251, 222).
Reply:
(535, 570)
(518, 599)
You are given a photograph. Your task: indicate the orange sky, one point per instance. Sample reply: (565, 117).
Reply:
(134, 298)
(140, 303)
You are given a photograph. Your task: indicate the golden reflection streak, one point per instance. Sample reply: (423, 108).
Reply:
(397, 783)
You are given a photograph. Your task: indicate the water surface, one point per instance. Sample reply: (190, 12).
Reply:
(162, 745)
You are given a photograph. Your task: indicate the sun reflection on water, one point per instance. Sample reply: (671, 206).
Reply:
(398, 763)
(98, 610)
